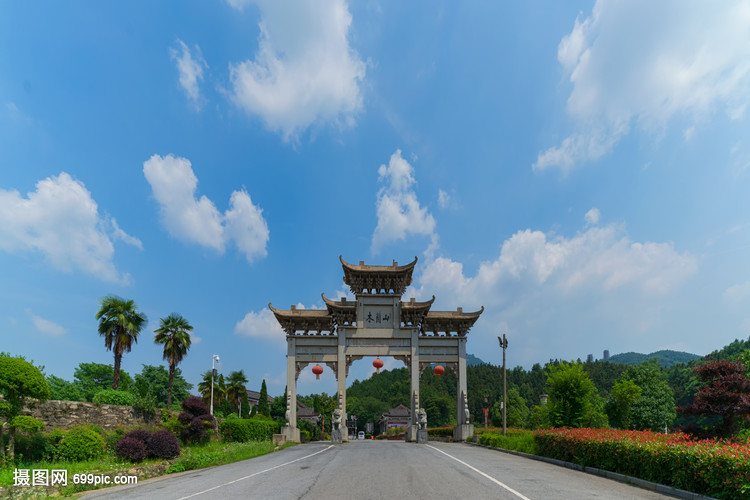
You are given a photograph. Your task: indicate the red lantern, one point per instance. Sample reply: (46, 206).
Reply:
(378, 364)
(439, 370)
(317, 370)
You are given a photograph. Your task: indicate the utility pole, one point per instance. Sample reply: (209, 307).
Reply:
(504, 345)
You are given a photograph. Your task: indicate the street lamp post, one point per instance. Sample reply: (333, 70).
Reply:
(214, 358)
(504, 345)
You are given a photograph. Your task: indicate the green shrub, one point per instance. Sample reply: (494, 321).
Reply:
(112, 397)
(112, 437)
(440, 432)
(515, 439)
(25, 423)
(248, 429)
(34, 448)
(79, 444)
(304, 435)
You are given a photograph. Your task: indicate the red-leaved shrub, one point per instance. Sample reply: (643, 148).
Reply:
(130, 448)
(163, 444)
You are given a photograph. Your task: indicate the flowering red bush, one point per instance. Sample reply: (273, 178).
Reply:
(713, 467)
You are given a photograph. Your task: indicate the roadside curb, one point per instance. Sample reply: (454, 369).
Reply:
(622, 478)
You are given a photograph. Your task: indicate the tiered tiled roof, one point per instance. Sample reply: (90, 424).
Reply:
(303, 320)
(364, 279)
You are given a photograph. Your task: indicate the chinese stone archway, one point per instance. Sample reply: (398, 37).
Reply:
(377, 323)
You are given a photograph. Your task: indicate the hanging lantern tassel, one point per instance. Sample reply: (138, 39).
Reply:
(378, 364)
(317, 370)
(439, 370)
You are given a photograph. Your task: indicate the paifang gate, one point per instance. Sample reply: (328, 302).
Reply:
(377, 323)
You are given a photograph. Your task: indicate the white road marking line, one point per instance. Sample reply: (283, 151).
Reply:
(482, 473)
(255, 474)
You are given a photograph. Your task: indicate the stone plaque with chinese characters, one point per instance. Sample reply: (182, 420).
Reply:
(378, 317)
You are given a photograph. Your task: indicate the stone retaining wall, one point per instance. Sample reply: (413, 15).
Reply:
(68, 414)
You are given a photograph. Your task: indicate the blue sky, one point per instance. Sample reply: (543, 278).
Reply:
(580, 169)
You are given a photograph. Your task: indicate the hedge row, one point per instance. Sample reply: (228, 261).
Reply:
(715, 468)
(244, 429)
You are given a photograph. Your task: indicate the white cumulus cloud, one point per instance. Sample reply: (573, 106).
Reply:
(197, 220)
(558, 295)
(304, 70)
(398, 210)
(190, 67)
(641, 64)
(61, 221)
(261, 325)
(592, 217)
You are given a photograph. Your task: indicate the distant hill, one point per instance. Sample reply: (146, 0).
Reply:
(472, 360)
(666, 358)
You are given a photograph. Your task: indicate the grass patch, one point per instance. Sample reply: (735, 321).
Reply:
(515, 439)
(192, 457)
(213, 454)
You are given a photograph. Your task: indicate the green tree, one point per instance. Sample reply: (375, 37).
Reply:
(154, 381)
(573, 401)
(517, 414)
(263, 407)
(174, 334)
(120, 324)
(220, 388)
(655, 409)
(91, 378)
(19, 380)
(236, 390)
(61, 389)
(619, 407)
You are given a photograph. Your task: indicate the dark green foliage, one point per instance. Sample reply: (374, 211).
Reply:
(278, 407)
(655, 408)
(63, 390)
(666, 358)
(90, 378)
(263, 407)
(163, 444)
(153, 383)
(81, 443)
(517, 413)
(619, 406)
(34, 448)
(731, 351)
(313, 431)
(254, 429)
(131, 448)
(112, 397)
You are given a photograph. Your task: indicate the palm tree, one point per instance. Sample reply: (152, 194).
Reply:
(119, 324)
(236, 388)
(220, 388)
(174, 334)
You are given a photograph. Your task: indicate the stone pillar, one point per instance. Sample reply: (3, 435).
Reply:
(341, 379)
(290, 430)
(414, 372)
(464, 428)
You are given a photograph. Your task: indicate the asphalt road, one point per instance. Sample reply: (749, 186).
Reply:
(382, 470)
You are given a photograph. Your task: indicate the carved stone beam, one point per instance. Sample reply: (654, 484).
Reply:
(299, 366)
(350, 358)
(334, 365)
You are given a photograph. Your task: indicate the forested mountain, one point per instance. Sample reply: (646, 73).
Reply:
(666, 358)
(472, 360)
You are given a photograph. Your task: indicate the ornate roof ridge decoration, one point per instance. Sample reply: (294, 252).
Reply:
(303, 320)
(366, 279)
(344, 312)
(448, 322)
(413, 312)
